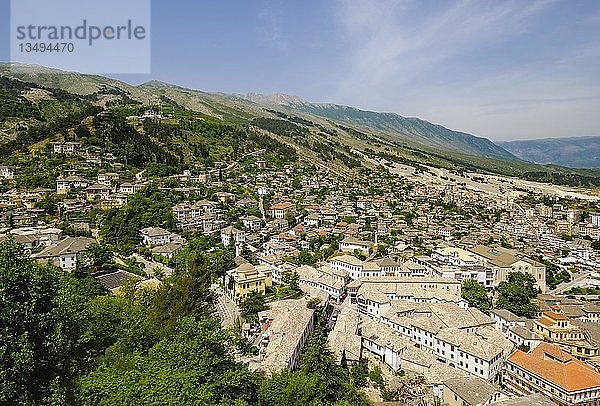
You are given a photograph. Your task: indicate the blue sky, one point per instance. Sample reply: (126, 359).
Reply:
(499, 69)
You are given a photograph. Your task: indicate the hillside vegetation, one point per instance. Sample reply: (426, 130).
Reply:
(203, 128)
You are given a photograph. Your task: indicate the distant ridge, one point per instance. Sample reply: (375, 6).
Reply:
(575, 152)
(390, 126)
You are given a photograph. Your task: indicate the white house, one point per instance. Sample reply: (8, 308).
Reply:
(352, 265)
(64, 184)
(7, 172)
(65, 147)
(229, 233)
(152, 236)
(107, 178)
(321, 279)
(66, 254)
(252, 223)
(522, 336)
(505, 320)
(350, 244)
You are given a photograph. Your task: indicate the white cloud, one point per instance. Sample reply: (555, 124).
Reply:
(271, 29)
(390, 45)
(398, 53)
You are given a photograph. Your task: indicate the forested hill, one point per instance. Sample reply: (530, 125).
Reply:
(200, 128)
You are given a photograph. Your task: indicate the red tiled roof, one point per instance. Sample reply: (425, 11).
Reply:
(282, 206)
(555, 315)
(549, 362)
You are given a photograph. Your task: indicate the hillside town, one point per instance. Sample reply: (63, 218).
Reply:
(455, 295)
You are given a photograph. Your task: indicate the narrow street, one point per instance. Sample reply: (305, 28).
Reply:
(228, 310)
(563, 287)
(150, 267)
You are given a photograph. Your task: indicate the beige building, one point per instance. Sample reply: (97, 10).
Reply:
(286, 327)
(246, 279)
(550, 371)
(503, 261)
(470, 391)
(280, 210)
(556, 327)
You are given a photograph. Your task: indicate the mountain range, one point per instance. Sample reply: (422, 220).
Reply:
(343, 128)
(576, 152)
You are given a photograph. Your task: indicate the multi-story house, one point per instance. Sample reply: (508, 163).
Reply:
(505, 320)
(252, 223)
(114, 201)
(66, 254)
(152, 236)
(98, 191)
(555, 373)
(351, 244)
(66, 147)
(63, 185)
(501, 261)
(348, 263)
(246, 279)
(463, 338)
(108, 178)
(556, 327)
(286, 327)
(280, 210)
(323, 279)
(231, 235)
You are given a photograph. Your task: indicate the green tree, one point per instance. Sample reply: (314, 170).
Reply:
(314, 302)
(252, 305)
(320, 380)
(516, 293)
(27, 323)
(305, 258)
(45, 339)
(290, 278)
(376, 377)
(99, 256)
(476, 295)
(359, 372)
(192, 366)
(291, 219)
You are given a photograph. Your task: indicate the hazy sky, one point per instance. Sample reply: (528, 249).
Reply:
(499, 69)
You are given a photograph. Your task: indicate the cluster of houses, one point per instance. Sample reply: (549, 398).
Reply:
(401, 253)
(553, 358)
(108, 190)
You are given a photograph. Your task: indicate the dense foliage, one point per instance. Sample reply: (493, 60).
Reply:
(561, 178)
(133, 147)
(64, 341)
(150, 207)
(318, 381)
(281, 127)
(15, 105)
(516, 293)
(45, 333)
(476, 295)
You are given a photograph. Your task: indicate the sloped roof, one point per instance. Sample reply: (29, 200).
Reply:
(116, 279)
(549, 362)
(472, 389)
(537, 399)
(69, 245)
